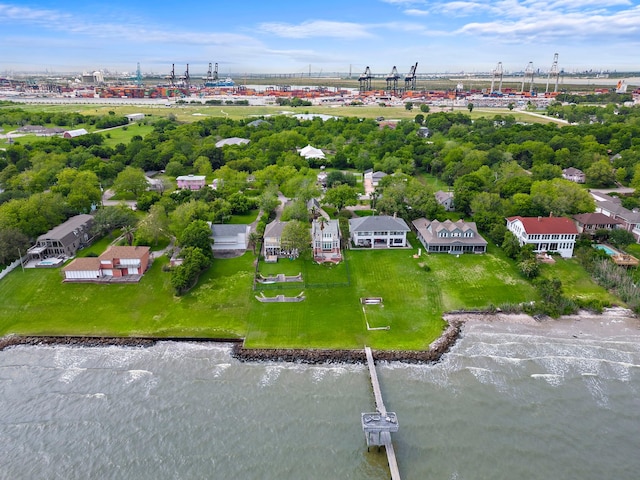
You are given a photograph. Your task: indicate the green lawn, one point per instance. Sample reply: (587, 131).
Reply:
(247, 218)
(223, 303)
(114, 136)
(576, 281)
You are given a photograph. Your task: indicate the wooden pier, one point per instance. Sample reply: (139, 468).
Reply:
(379, 425)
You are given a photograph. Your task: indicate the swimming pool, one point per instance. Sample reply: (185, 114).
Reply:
(609, 251)
(50, 262)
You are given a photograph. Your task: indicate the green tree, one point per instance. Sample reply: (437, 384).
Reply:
(185, 276)
(341, 196)
(561, 197)
(600, 174)
(198, 235)
(408, 106)
(424, 108)
(621, 237)
(110, 218)
(131, 180)
(511, 245)
(296, 237)
(12, 241)
(153, 227)
(470, 107)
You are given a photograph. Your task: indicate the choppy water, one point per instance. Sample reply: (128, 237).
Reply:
(510, 401)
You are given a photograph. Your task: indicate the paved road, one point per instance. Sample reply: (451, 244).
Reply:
(107, 202)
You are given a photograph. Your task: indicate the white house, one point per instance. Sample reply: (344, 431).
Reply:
(311, 152)
(546, 234)
(574, 175)
(378, 232)
(374, 177)
(135, 117)
(232, 141)
(272, 246)
(325, 236)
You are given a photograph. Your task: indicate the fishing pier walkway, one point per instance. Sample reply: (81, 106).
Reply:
(379, 425)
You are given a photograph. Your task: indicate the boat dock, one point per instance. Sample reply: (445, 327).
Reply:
(379, 425)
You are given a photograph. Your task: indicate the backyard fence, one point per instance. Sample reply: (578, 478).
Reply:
(10, 268)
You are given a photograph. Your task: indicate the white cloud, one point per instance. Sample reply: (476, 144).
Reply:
(316, 28)
(415, 12)
(461, 8)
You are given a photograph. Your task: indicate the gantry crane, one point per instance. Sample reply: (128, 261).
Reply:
(392, 80)
(410, 79)
(172, 75)
(528, 74)
(553, 73)
(497, 74)
(365, 80)
(186, 78)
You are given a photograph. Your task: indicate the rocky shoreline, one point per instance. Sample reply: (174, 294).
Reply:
(308, 356)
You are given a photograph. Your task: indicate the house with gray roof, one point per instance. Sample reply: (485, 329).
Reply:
(230, 237)
(612, 207)
(325, 235)
(378, 232)
(64, 240)
(445, 199)
(272, 246)
(449, 237)
(232, 141)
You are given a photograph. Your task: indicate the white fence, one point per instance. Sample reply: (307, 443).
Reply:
(9, 269)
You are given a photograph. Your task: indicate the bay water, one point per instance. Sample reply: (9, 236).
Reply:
(509, 401)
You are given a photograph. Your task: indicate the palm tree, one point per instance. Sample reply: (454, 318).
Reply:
(254, 240)
(127, 233)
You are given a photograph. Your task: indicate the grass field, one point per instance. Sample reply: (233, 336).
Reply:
(223, 303)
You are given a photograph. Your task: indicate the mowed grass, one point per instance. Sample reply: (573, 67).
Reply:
(224, 305)
(36, 302)
(576, 281)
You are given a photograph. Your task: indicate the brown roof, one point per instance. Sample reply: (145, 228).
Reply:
(83, 264)
(596, 219)
(124, 252)
(536, 225)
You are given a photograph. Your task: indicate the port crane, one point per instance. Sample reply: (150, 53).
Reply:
(138, 76)
(392, 80)
(497, 73)
(172, 75)
(212, 75)
(528, 74)
(186, 78)
(365, 80)
(553, 73)
(410, 78)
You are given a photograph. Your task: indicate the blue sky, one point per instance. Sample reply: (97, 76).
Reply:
(289, 36)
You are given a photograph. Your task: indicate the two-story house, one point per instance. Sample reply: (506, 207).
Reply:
(378, 232)
(64, 240)
(612, 207)
(546, 234)
(574, 175)
(449, 237)
(191, 182)
(115, 262)
(325, 235)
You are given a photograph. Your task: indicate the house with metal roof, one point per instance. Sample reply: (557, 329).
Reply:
(64, 240)
(232, 141)
(449, 237)
(75, 133)
(230, 237)
(546, 234)
(381, 231)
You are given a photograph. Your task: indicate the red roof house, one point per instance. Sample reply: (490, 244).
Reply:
(547, 234)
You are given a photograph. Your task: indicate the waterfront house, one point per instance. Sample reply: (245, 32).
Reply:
(325, 235)
(449, 237)
(230, 237)
(546, 234)
(378, 232)
(272, 246)
(191, 182)
(117, 262)
(64, 240)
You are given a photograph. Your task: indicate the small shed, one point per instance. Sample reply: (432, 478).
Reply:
(135, 117)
